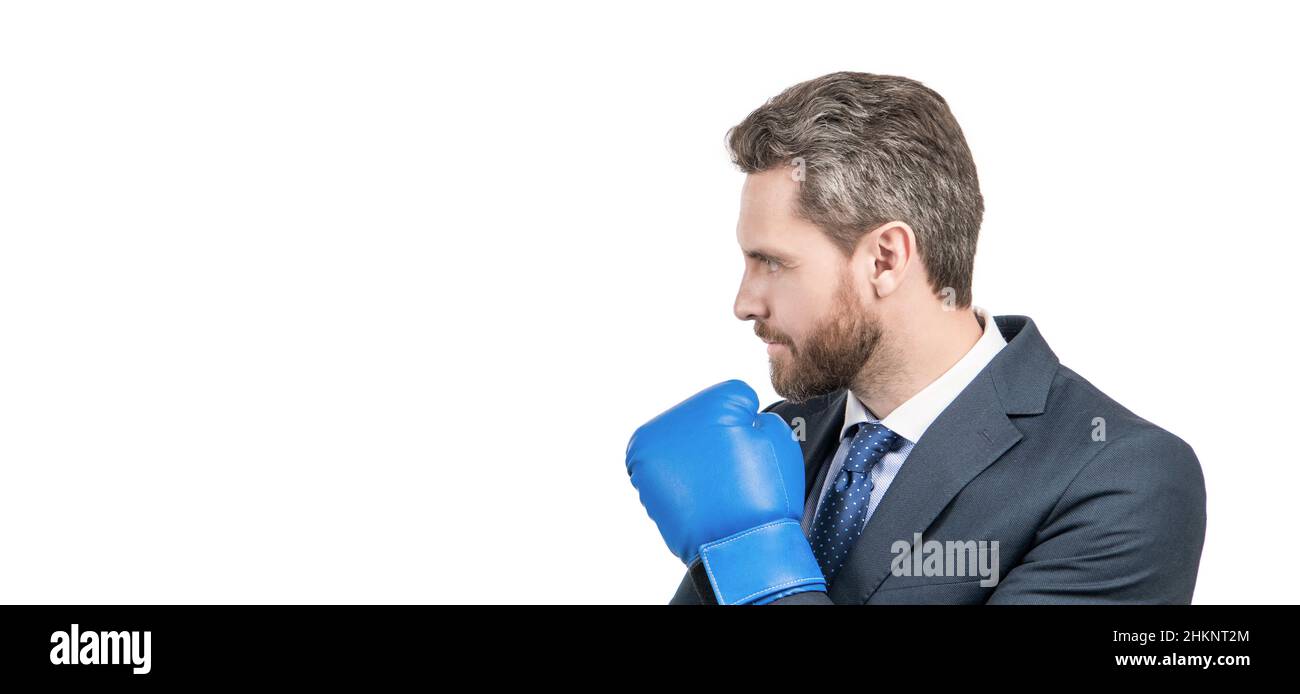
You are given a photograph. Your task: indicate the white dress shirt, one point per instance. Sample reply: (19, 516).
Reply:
(910, 419)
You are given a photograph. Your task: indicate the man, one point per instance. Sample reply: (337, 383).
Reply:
(926, 452)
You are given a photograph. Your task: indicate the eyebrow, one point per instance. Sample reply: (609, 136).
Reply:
(763, 256)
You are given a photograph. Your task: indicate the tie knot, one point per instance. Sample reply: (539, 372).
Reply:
(870, 443)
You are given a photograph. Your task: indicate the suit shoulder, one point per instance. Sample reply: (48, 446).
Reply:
(1126, 443)
(1074, 394)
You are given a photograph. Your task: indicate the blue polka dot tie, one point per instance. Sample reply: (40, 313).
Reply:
(844, 510)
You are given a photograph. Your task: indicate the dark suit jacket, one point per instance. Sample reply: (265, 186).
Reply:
(1015, 458)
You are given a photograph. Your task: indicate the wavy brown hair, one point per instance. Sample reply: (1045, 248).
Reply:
(873, 149)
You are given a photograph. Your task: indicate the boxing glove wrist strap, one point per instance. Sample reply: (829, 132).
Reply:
(759, 565)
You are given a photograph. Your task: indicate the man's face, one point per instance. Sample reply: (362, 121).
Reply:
(801, 293)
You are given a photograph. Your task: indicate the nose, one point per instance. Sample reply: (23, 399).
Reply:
(749, 303)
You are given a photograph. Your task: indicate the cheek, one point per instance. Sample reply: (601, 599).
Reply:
(798, 308)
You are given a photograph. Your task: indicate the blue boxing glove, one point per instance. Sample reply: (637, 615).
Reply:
(725, 486)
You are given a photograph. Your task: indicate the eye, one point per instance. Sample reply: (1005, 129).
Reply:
(773, 266)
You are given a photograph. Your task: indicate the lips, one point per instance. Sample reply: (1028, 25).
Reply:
(769, 341)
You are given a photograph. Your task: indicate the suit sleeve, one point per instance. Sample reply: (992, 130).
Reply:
(694, 590)
(811, 597)
(1128, 529)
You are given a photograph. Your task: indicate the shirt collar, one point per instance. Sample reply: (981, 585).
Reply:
(910, 419)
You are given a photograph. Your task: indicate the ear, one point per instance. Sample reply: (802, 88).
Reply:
(885, 255)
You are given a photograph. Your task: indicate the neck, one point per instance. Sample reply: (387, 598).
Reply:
(914, 353)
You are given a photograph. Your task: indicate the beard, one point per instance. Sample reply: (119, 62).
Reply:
(836, 351)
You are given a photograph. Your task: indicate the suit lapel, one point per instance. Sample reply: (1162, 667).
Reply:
(821, 438)
(970, 434)
(813, 491)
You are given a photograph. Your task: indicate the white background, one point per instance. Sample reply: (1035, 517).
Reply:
(359, 302)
